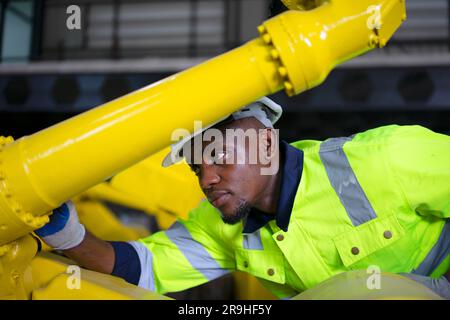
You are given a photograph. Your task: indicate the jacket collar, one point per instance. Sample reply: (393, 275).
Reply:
(292, 167)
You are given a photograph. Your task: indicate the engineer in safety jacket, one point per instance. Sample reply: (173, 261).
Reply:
(293, 215)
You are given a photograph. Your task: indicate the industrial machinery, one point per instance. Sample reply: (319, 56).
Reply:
(84, 158)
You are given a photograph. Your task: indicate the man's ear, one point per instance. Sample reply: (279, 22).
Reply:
(268, 143)
(269, 155)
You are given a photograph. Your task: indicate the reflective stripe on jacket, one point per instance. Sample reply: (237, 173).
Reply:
(381, 197)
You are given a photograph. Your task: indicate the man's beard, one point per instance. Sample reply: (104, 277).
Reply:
(239, 214)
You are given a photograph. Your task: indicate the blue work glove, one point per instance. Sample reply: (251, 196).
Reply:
(64, 231)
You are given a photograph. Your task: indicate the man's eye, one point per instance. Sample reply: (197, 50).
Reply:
(221, 157)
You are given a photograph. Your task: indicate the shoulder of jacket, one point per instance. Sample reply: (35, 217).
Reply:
(376, 134)
(306, 145)
(391, 134)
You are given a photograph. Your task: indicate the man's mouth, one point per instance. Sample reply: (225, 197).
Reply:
(218, 199)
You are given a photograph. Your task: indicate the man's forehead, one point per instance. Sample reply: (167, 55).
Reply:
(244, 123)
(231, 136)
(229, 133)
(214, 140)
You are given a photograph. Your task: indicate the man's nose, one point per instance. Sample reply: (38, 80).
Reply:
(209, 176)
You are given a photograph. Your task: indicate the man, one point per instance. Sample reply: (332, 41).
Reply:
(291, 215)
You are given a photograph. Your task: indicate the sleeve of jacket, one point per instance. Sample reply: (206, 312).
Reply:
(189, 253)
(420, 161)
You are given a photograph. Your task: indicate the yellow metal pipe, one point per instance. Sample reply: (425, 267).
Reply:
(39, 172)
(105, 192)
(45, 169)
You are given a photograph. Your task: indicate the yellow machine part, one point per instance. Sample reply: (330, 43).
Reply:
(15, 259)
(53, 279)
(97, 217)
(327, 35)
(358, 285)
(166, 193)
(26, 275)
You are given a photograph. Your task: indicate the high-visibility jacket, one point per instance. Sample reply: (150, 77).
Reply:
(378, 198)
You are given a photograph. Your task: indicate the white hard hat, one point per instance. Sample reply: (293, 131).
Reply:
(265, 110)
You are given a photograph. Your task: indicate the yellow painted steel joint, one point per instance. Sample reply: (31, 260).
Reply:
(309, 41)
(14, 220)
(15, 258)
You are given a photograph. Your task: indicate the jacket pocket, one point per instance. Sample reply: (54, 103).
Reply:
(368, 238)
(262, 264)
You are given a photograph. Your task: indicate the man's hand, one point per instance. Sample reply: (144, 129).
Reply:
(65, 232)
